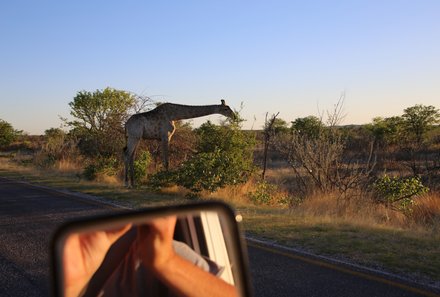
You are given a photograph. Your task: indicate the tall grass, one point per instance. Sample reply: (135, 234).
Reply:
(426, 212)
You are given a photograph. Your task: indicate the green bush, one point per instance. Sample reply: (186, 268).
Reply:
(263, 193)
(101, 166)
(268, 194)
(141, 165)
(207, 171)
(224, 157)
(398, 193)
(161, 179)
(7, 133)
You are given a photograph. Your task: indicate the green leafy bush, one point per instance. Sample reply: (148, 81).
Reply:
(224, 157)
(207, 171)
(7, 133)
(263, 193)
(161, 179)
(266, 193)
(102, 166)
(398, 193)
(141, 165)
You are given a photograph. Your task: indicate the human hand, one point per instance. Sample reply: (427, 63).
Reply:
(83, 254)
(154, 242)
(154, 247)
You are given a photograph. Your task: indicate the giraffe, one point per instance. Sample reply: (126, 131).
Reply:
(158, 124)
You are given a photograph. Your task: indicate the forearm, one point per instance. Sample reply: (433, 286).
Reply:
(74, 291)
(186, 279)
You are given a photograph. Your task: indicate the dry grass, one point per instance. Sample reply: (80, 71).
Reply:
(427, 211)
(236, 195)
(69, 166)
(356, 211)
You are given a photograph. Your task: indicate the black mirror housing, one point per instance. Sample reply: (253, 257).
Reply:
(207, 233)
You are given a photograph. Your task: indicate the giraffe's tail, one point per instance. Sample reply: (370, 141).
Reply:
(126, 140)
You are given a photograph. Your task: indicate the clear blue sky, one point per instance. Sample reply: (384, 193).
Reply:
(292, 57)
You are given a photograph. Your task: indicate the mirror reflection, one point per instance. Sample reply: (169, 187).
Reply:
(171, 255)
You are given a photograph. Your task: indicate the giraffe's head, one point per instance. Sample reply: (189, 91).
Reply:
(226, 110)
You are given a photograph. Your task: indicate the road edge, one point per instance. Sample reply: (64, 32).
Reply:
(421, 287)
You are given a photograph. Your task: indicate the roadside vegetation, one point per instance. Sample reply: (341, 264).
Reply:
(364, 193)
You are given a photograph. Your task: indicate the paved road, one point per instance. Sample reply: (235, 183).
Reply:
(278, 272)
(29, 215)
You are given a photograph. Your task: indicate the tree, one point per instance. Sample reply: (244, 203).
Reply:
(418, 119)
(7, 133)
(310, 126)
(279, 126)
(99, 119)
(272, 127)
(387, 130)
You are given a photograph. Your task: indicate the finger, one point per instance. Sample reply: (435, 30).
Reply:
(116, 233)
(164, 226)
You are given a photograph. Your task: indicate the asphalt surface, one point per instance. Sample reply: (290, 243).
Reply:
(278, 272)
(28, 218)
(29, 215)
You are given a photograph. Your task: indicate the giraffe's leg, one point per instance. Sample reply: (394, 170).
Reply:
(132, 170)
(165, 144)
(126, 166)
(129, 151)
(167, 134)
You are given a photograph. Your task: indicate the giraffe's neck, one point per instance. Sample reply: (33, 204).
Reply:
(183, 112)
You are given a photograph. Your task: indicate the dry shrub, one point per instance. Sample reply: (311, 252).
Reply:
(69, 166)
(317, 206)
(8, 164)
(237, 195)
(174, 190)
(228, 193)
(107, 179)
(22, 158)
(356, 211)
(21, 163)
(426, 211)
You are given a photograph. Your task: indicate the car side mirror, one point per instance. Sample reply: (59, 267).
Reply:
(164, 251)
